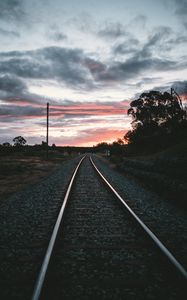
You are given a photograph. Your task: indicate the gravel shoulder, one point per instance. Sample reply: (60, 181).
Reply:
(166, 220)
(17, 172)
(103, 254)
(27, 219)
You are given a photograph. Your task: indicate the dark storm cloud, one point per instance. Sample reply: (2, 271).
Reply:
(142, 57)
(159, 35)
(155, 40)
(112, 30)
(14, 90)
(9, 33)
(25, 67)
(58, 36)
(139, 21)
(134, 66)
(20, 111)
(12, 85)
(75, 69)
(181, 11)
(67, 65)
(181, 7)
(147, 80)
(11, 10)
(158, 40)
(127, 47)
(161, 40)
(164, 39)
(55, 34)
(180, 87)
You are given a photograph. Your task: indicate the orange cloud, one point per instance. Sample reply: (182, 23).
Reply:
(24, 109)
(92, 137)
(91, 109)
(81, 124)
(184, 98)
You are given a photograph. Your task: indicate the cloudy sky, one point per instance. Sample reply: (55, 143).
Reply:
(88, 59)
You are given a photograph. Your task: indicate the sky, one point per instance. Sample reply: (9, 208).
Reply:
(89, 59)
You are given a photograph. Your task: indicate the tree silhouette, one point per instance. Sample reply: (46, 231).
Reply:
(103, 146)
(155, 114)
(6, 144)
(19, 141)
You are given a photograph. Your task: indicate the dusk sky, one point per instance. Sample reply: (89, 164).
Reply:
(88, 59)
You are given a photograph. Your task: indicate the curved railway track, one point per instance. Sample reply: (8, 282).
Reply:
(102, 250)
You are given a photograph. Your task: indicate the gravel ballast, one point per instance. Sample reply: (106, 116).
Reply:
(27, 220)
(164, 218)
(102, 253)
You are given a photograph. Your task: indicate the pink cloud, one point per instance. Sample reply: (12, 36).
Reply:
(184, 97)
(82, 109)
(83, 130)
(92, 137)
(91, 109)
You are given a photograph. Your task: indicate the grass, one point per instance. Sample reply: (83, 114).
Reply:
(164, 172)
(18, 171)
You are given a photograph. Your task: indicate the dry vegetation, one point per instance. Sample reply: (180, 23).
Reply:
(17, 172)
(164, 171)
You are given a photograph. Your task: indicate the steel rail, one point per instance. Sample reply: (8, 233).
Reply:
(163, 248)
(43, 270)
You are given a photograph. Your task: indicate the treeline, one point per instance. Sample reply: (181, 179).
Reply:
(117, 147)
(159, 120)
(19, 145)
(20, 141)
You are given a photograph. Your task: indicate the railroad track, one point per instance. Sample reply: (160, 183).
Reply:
(102, 250)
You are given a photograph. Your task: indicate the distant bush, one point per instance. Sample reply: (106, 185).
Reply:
(19, 141)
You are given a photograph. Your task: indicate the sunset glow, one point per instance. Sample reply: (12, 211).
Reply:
(89, 60)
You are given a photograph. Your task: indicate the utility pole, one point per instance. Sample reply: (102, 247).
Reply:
(47, 135)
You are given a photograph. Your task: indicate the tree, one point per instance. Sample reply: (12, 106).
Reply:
(44, 145)
(19, 141)
(155, 114)
(103, 146)
(117, 147)
(6, 144)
